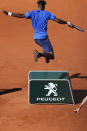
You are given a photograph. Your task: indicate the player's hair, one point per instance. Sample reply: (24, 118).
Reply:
(43, 2)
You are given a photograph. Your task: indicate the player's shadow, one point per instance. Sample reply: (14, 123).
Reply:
(74, 76)
(79, 95)
(78, 75)
(7, 91)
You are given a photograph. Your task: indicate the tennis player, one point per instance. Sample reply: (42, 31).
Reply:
(39, 20)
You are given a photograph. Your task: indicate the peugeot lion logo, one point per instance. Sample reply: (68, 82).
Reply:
(52, 89)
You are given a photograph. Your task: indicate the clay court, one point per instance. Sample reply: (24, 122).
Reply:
(16, 60)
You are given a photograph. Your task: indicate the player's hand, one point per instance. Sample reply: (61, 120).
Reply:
(77, 110)
(70, 25)
(5, 12)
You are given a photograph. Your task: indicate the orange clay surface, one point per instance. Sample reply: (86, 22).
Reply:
(16, 60)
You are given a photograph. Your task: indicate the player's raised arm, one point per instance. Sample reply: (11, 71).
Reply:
(63, 22)
(18, 15)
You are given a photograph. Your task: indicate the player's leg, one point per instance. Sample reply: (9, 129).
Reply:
(36, 55)
(48, 56)
(82, 103)
(47, 48)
